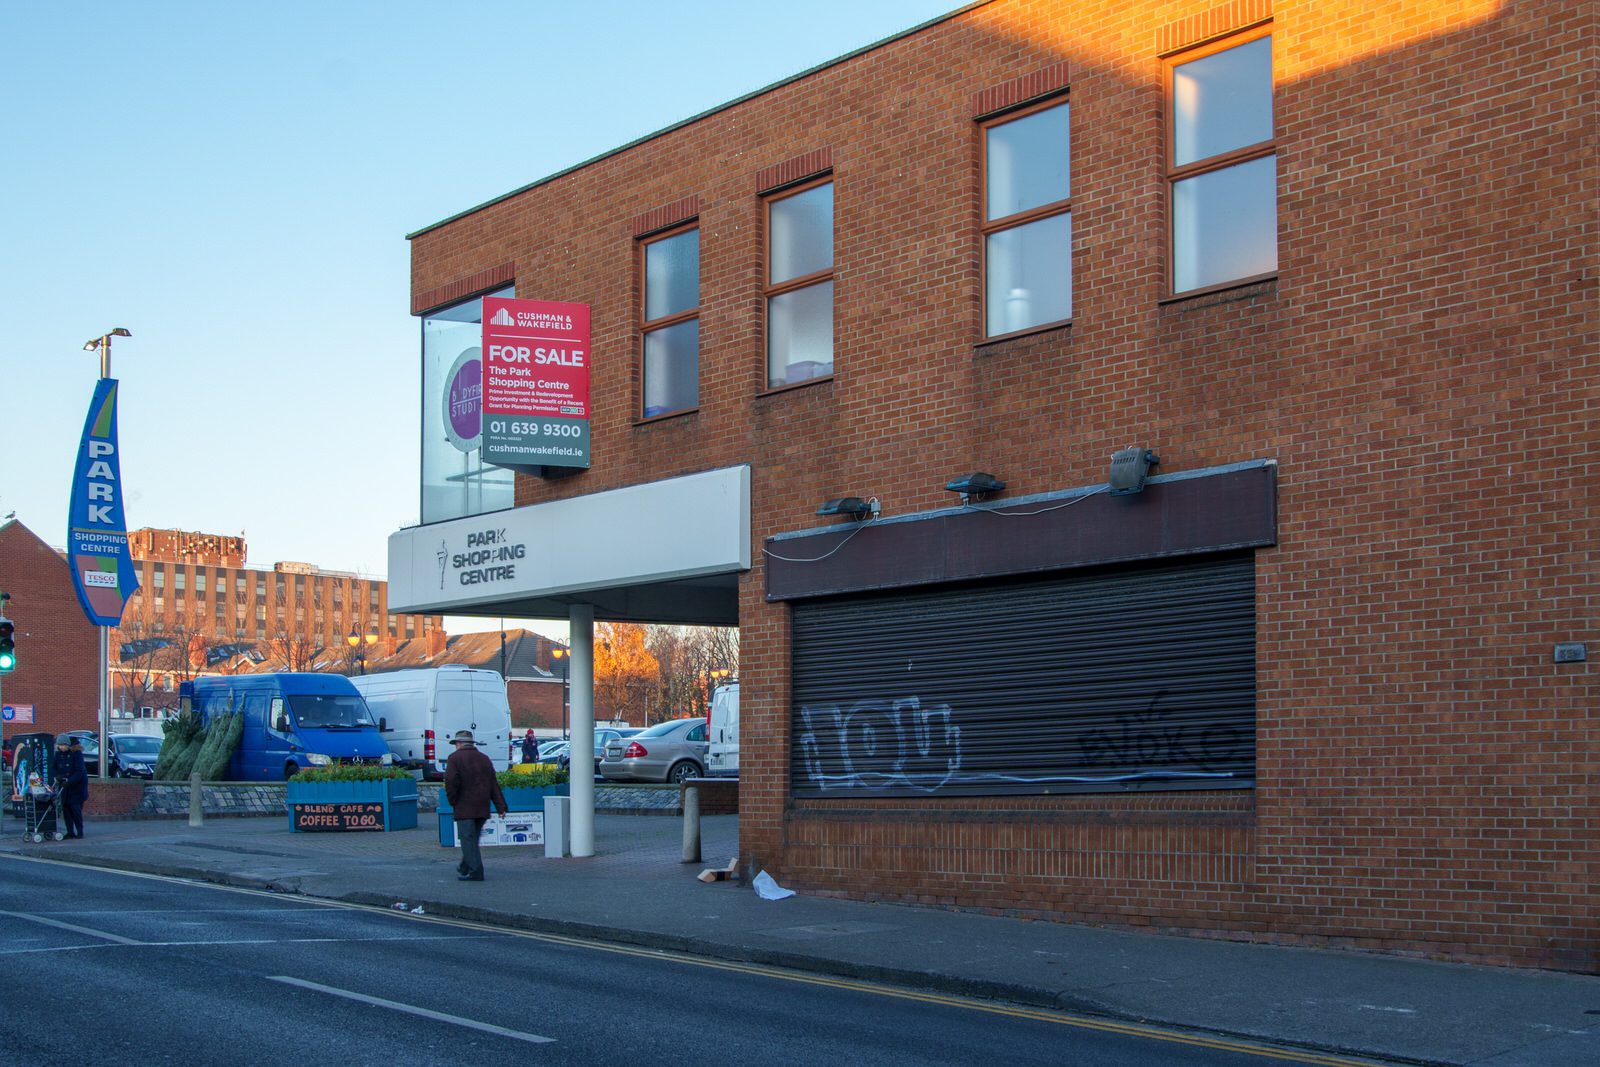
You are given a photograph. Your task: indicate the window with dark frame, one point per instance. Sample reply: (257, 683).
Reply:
(1027, 219)
(1222, 170)
(799, 284)
(670, 321)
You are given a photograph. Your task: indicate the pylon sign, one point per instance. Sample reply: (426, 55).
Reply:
(97, 534)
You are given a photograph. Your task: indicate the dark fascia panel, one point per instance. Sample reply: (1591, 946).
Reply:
(1213, 510)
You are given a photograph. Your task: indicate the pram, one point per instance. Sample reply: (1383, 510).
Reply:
(41, 813)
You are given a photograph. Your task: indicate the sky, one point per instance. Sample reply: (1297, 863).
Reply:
(233, 184)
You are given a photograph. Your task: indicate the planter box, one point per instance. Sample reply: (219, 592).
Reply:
(387, 804)
(530, 798)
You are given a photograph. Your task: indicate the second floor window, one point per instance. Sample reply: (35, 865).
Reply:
(1222, 165)
(1027, 221)
(799, 286)
(671, 322)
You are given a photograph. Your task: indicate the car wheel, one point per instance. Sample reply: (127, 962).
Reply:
(290, 769)
(682, 772)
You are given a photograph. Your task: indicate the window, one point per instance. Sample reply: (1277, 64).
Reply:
(799, 287)
(160, 577)
(1027, 220)
(456, 482)
(200, 583)
(671, 322)
(1222, 165)
(261, 587)
(179, 577)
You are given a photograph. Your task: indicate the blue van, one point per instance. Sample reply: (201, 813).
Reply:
(291, 722)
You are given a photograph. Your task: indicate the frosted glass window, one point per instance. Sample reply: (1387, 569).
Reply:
(799, 286)
(1222, 102)
(672, 368)
(1029, 277)
(672, 275)
(1027, 229)
(1223, 177)
(1225, 225)
(800, 335)
(1028, 162)
(670, 352)
(800, 235)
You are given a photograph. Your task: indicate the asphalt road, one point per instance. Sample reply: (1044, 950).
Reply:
(103, 967)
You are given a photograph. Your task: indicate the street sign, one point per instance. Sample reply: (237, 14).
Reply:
(18, 713)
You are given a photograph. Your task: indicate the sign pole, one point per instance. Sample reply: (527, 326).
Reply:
(97, 535)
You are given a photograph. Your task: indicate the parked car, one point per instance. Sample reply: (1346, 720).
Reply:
(133, 755)
(551, 751)
(90, 739)
(670, 751)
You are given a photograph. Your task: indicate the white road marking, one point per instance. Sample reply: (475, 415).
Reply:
(75, 929)
(472, 1024)
(203, 944)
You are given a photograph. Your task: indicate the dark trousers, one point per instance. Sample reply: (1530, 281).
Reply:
(467, 831)
(72, 815)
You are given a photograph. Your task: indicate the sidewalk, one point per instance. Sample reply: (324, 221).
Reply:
(637, 891)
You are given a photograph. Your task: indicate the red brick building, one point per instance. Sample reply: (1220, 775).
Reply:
(1323, 680)
(57, 648)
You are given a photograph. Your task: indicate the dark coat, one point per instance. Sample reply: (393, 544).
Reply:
(530, 749)
(69, 775)
(470, 785)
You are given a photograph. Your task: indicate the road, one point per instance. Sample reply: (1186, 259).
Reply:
(105, 967)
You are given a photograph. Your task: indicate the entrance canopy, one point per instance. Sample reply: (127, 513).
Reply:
(664, 552)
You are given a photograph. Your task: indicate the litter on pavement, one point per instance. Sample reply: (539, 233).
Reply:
(768, 889)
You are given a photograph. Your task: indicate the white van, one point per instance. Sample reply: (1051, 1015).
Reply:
(722, 758)
(418, 711)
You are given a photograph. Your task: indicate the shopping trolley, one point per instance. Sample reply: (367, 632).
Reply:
(41, 813)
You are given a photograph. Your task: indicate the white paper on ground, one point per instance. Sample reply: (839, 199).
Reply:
(768, 889)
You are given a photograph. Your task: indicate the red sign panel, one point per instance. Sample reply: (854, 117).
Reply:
(535, 383)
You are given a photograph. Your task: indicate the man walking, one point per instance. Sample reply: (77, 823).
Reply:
(470, 785)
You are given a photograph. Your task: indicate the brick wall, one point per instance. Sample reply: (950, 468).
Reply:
(57, 647)
(1422, 369)
(535, 704)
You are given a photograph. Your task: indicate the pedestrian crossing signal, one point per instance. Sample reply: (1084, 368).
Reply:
(8, 646)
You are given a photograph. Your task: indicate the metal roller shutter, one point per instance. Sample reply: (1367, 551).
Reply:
(1132, 679)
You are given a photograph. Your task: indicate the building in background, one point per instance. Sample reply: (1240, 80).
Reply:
(1320, 675)
(201, 610)
(57, 648)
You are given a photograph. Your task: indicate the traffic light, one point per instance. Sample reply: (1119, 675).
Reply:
(8, 646)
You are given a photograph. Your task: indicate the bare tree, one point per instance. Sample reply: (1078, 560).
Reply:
(141, 652)
(693, 659)
(290, 641)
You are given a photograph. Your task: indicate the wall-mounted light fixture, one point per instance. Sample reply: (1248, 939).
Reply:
(852, 506)
(1129, 468)
(976, 485)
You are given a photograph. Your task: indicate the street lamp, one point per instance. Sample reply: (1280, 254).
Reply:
(563, 658)
(354, 639)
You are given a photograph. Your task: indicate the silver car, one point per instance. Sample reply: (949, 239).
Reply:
(670, 751)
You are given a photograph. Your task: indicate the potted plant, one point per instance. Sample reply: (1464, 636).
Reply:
(524, 790)
(351, 798)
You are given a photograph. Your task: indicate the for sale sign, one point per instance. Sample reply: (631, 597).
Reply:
(535, 383)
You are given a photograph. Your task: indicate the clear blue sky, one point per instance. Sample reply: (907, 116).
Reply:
(233, 183)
